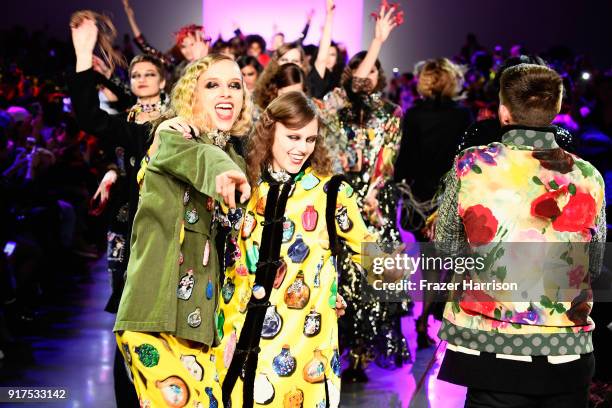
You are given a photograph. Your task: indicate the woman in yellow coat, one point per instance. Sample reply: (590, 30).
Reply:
(166, 325)
(280, 290)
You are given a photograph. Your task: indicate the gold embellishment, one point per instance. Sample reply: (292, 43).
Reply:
(219, 138)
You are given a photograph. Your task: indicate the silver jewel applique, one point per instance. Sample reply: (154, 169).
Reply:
(195, 318)
(219, 138)
(280, 176)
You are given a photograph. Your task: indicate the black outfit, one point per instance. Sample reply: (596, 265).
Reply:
(125, 98)
(431, 131)
(519, 383)
(113, 130)
(316, 86)
(132, 140)
(488, 399)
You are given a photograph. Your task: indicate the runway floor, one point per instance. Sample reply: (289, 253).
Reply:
(70, 345)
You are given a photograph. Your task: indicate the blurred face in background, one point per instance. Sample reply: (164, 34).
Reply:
(190, 46)
(332, 58)
(277, 41)
(254, 49)
(292, 56)
(250, 75)
(186, 47)
(145, 80)
(291, 88)
(372, 76)
(227, 51)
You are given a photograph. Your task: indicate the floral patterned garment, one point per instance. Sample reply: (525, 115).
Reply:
(299, 339)
(369, 147)
(525, 189)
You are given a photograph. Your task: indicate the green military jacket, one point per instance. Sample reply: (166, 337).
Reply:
(172, 277)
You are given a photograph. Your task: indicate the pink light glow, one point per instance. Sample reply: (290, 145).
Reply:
(259, 17)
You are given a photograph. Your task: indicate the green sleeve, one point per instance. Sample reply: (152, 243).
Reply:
(192, 162)
(597, 244)
(450, 237)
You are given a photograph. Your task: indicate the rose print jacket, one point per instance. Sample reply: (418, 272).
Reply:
(531, 211)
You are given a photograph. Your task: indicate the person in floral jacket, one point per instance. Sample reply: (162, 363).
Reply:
(528, 345)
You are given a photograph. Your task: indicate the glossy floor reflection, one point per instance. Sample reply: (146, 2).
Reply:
(72, 346)
(415, 385)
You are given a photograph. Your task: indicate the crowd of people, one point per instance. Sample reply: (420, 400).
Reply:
(104, 138)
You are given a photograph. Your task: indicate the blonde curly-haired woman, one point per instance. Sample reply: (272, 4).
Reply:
(167, 320)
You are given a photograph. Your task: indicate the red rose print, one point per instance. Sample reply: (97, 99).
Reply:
(580, 308)
(545, 206)
(577, 215)
(575, 276)
(480, 224)
(476, 302)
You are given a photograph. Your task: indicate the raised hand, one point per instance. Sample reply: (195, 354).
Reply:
(228, 182)
(310, 15)
(129, 11)
(84, 36)
(178, 124)
(385, 23)
(131, 16)
(396, 273)
(200, 46)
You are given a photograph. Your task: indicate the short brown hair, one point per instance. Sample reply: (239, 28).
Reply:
(159, 66)
(294, 110)
(532, 94)
(285, 75)
(285, 48)
(346, 79)
(439, 77)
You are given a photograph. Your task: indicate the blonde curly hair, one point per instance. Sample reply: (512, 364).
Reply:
(183, 98)
(439, 77)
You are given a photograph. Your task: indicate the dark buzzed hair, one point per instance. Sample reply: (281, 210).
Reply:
(532, 94)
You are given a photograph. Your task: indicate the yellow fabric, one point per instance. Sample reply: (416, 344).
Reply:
(170, 372)
(290, 390)
(144, 163)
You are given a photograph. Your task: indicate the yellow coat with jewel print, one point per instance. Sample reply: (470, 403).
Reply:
(299, 339)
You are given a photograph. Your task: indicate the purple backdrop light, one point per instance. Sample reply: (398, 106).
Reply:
(259, 17)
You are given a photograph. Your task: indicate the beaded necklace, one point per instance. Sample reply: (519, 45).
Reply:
(148, 108)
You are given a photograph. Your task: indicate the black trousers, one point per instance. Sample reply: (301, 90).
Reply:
(492, 399)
